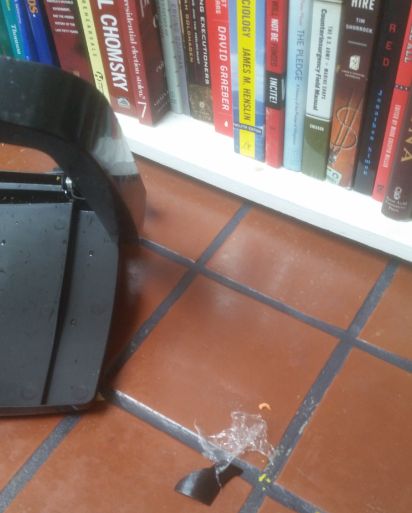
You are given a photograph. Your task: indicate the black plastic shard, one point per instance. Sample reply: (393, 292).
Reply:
(204, 485)
(59, 237)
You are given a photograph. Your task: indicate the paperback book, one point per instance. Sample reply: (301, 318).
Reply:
(247, 48)
(324, 44)
(300, 19)
(40, 30)
(276, 33)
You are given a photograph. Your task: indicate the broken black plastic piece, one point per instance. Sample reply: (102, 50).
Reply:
(59, 238)
(204, 485)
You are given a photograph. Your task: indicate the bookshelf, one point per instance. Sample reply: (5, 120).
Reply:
(194, 148)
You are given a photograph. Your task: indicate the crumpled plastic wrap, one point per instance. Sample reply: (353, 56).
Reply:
(248, 433)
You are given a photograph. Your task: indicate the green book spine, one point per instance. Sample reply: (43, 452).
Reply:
(324, 44)
(12, 26)
(5, 46)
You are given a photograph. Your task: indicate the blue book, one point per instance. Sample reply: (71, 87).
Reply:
(39, 29)
(247, 54)
(300, 20)
(29, 52)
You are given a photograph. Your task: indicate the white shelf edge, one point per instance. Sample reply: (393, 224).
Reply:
(194, 148)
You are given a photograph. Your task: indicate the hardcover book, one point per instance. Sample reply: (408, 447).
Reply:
(247, 47)
(173, 54)
(403, 83)
(276, 32)
(93, 48)
(111, 43)
(144, 53)
(194, 25)
(398, 198)
(385, 63)
(217, 15)
(326, 21)
(67, 34)
(300, 17)
(40, 30)
(360, 23)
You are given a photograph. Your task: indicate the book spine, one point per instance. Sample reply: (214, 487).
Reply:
(300, 18)
(92, 43)
(29, 52)
(402, 86)
(10, 16)
(153, 66)
(197, 59)
(5, 46)
(173, 53)
(397, 203)
(360, 24)
(276, 32)
(134, 55)
(219, 46)
(67, 34)
(388, 49)
(40, 31)
(106, 17)
(247, 42)
(326, 22)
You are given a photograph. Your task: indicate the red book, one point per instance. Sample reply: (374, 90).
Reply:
(276, 34)
(142, 46)
(65, 26)
(217, 16)
(110, 35)
(397, 109)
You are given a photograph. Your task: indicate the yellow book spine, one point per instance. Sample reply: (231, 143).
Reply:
(246, 71)
(93, 49)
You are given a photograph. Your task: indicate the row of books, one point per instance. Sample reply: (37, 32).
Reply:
(317, 86)
(24, 32)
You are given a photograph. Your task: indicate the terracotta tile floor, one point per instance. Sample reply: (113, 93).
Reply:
(224, 307)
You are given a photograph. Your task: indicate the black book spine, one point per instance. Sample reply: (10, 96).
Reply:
(388, 48)
(398, 198)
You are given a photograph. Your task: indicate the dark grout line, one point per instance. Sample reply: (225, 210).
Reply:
(164, 307)
(334, 331)
(169, 427)
(190, 439)
(290, 500)
(36, 460)
(245, 290)
(349, 337)
(167, 253)
(150, 324)
(312, 399)
(327, 375)
(373, 298)
(224, 234)
(382, 354)
(254, 501)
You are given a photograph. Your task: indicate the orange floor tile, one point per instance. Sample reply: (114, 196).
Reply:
(226, 307)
